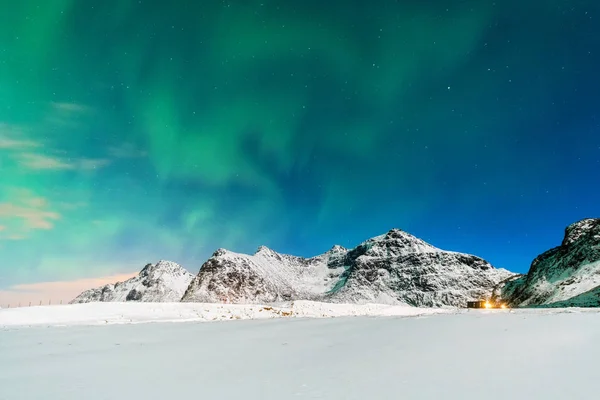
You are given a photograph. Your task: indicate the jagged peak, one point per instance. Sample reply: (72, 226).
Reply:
(263, 249)
(337, 249)
(397, 238)
(267, 252)
(579, 229)
(167, 263)
(396, 233)
(220, 252)
(161, 266)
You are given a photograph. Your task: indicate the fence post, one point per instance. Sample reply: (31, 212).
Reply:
(40, 302)
(29, 304)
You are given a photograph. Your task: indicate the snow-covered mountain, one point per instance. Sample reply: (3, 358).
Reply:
(164, 281)
(567, 275)
(393, 268)
(265, 277)
(398, 267)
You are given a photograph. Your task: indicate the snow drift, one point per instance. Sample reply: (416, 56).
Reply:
(474, 355)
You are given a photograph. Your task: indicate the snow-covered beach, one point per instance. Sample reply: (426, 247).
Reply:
(383, 353)
(133, 312)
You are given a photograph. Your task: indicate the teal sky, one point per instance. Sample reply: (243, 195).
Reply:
(132, 131)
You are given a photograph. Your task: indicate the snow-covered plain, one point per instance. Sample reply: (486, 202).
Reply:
(408, 354)
(132, 312)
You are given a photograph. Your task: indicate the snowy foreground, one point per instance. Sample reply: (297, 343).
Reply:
(127, 313)
(403, 354)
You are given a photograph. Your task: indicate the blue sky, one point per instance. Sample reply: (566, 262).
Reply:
(132, 132)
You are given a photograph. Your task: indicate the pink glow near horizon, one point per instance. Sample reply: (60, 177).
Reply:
(54, 292)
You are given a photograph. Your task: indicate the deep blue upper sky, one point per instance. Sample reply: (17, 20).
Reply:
(134, 131)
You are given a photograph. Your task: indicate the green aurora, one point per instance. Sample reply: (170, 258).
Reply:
(137, 130)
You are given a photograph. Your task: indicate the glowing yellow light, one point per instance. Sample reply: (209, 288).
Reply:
(487, 304)
(503, 306)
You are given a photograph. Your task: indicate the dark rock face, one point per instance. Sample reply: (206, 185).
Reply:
(161, 282)
(395, 268)
(134, 295)
(567, 274)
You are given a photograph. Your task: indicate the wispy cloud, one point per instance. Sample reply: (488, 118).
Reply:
(13, 137)
(8, 143)
(38, 161)
(44, 162)
(67, 115)
(25, 213)
(25, 150)
(23, 143)
(33, 218)
(54, 291)
(70, 107)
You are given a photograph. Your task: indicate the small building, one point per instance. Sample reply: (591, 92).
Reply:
(476, 304)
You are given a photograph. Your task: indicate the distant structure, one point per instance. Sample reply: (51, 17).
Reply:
(485, 304)
(476, 304)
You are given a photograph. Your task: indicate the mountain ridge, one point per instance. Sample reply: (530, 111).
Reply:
(393, 268)
(164, 281)
(386, 268)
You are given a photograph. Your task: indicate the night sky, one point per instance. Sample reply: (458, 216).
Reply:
(133, 131)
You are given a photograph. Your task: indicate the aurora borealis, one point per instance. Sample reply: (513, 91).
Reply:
(133, 131)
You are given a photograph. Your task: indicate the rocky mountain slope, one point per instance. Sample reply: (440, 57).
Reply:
(567, 275)
(265, 277)
(394, 268)
(162, 282)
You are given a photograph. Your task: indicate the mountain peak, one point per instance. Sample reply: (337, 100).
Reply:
(264, 250)
(580, 229)
(397, 242)
(337, 249)
(220, 252)
(163, 266)
(397, 233)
